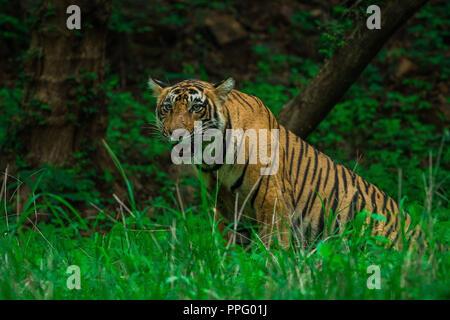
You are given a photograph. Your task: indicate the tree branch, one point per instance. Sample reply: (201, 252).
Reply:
(304, 113)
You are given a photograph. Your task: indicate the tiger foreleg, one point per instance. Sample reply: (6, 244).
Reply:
(273, 223)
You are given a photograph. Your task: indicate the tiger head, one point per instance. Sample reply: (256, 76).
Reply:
(180, 105)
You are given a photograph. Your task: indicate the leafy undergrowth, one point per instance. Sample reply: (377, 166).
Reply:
(181, 258)
(181, 255)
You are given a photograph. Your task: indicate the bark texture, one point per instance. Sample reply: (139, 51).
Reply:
(303, 113)
(64, 105)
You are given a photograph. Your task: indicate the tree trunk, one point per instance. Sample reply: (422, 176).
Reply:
(64, 105)
(303, 113)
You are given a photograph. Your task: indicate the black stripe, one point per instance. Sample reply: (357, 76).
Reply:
(268, 178)
(388, 212)
(225, 143)
(290, 165)
(353, 175)
(334, 206)
(304, 181)
(352, 209)
(265, 192)
(287, 141)
(391, 227)
(363, 203)
(227, 137)
(252, 202)
(315, 166)
(358, 187)
(374, 205)
(229, 126)
(304, 210)
(283, 171)
(231, 98)
(203, 112)
(252, 96)
(238, 95)
(214, 107)
(392, 213)
(335, 189)
(239, 181)
(290, 173)
(367, 185)
(315, 190)
(320, 225)
(384, 203)
(299, 161)
(260, 103)
(328, 172)
(391, 204)
(344, 178)
(396, 236)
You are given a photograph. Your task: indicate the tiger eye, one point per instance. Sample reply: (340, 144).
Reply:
(197, 107)
(167, 107)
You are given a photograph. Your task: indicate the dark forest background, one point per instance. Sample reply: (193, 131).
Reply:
(63, 91)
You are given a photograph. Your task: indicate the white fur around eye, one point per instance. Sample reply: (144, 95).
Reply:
(197, 107)
(166, 107)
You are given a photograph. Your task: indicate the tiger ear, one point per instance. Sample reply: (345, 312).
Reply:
(156, 86)
(223, 88)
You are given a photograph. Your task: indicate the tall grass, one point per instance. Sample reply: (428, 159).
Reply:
(180, 254)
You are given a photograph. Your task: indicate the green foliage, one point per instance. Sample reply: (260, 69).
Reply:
(129, 17)
(19, 28)
(132, 120)
(180, 255)
(333, 31)
(431, 33)
(10, 102)
(303, 19)
(274, 96)
(13, 27)
(73, 184)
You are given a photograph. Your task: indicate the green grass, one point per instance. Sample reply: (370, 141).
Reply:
(181, 255)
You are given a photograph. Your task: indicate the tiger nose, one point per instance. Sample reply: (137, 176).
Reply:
(171, 131)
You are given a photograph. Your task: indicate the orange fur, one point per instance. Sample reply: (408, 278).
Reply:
(300, 195)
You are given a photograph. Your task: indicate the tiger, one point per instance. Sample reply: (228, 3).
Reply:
(306, 198)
